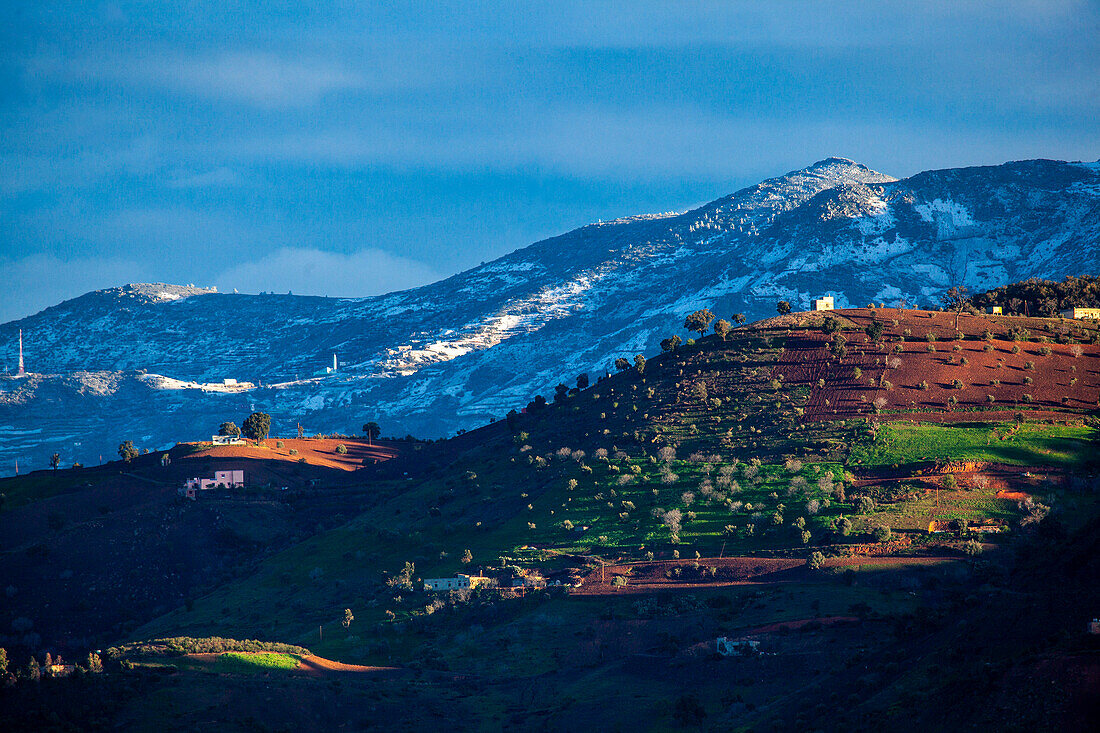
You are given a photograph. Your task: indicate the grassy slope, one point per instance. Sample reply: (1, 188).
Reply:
(1032, 444)
(564, 659)
(510, 498)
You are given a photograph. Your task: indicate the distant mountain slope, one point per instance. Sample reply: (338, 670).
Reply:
(454, 353)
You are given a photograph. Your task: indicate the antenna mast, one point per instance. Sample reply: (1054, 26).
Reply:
(21, 370)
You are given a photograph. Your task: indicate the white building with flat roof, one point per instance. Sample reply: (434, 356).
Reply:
(824, 303)
(222, 480)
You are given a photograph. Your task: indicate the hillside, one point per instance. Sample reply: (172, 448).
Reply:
(141, 361)
(676, 501)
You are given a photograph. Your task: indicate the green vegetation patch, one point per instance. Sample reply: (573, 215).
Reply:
(252, 662)
(1026, 444)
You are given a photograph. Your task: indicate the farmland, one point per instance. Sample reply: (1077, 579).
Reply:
(749, 486)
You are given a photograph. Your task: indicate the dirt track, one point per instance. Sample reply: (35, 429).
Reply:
(652, 576)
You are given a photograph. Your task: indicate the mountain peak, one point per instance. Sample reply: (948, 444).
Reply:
(159, 292)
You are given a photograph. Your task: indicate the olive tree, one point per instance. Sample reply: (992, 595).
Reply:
(257, 425)
(699, 321)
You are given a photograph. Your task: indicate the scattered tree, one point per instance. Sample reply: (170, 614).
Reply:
(671, 343)
(257, 425)
(722, 328)
(372, 431)
(783, 307)
(55, 461)
(815, 561)
(739, 318)
(874, 330)
(467, 557)
(699, 321)
(127, 451)
(229, 428)
(956, 300)
(348, 618)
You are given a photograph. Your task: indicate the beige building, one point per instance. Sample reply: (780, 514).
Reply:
(824, 303)
(1082, 313)
(995, 310)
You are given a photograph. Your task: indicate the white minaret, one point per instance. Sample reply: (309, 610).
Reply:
(334, 362)
(21, 370)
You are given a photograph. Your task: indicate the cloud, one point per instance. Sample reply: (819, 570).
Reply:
(256, 78)
(314, 272)
(39, 281)
(216, 178)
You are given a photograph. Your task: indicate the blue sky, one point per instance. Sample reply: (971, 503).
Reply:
(363, 147)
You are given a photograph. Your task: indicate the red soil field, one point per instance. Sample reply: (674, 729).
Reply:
(315, 451)
(1067, 379)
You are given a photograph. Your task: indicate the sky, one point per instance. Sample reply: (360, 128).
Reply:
(355, 148)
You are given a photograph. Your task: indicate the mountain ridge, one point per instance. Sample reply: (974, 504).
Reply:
(454, 353)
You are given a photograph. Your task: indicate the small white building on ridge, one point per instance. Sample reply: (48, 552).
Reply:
(222, 480)
(458, 582)
(824, 303)
(1092, 314)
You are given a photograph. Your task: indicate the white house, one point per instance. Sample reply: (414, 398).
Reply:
(728, 647)
(222, 479)
(458, 582)
(995, 310)
(226, 440)
(824, 303)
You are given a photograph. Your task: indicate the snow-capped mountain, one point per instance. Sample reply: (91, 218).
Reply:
(148, 362)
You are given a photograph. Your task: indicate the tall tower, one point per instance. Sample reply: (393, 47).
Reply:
(21, 371)
(334, 362)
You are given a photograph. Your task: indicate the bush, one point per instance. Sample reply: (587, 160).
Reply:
(341, 449)
(815, 561)
(881, 533)
(972, 548)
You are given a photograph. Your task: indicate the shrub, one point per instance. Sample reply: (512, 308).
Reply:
(957, 384)
(931, 348)
(293, 451)
(972, 548)
(865, 505)
(1028, 398)
(881, 533)
(923, 385)
(815, 561)
(341, 449)
(1044, 350)
(1029, 365)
